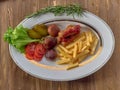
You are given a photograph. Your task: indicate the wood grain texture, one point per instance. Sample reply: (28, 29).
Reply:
(13, 78)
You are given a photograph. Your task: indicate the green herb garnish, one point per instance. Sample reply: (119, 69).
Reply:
(71, 9)
(18, 37)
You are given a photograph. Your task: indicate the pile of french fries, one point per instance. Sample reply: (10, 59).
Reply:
(75, 52)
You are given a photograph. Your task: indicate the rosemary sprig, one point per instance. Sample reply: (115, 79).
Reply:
(71, 9)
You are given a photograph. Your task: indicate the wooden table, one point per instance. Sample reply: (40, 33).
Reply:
(13, 78)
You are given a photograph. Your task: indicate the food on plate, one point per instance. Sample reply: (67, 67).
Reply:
(51, 54)
(71, 45)
(70, 66)
(34, 34)
(18, 37)
(29, 50)
(42, 29)
(50, 42)
(53, 30)
(75, 52)
(69, 34)
(76, 41)
(34, 51)
(94, 46)
(38, 31)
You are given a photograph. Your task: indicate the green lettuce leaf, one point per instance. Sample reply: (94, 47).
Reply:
(18, 37)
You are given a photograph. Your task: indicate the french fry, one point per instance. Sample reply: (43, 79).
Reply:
(59, 50)
(75, 51)
(82, 34)
(84, 43)
(63, 62)
(94, 46)
(63, 58)
(80, 55)
(85, 47)
(72, 66)
(67, 55)
(94, 36)
(60, 55)
(90, 36)
(83, 53)
(79, 46)
(65, 50)
(72, 44)
(87, 38)
(63, 53)
(82, 58)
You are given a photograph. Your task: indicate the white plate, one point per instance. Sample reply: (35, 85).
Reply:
(49, 70)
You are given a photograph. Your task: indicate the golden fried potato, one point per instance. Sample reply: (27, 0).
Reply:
(75, 52)
(72, 66)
